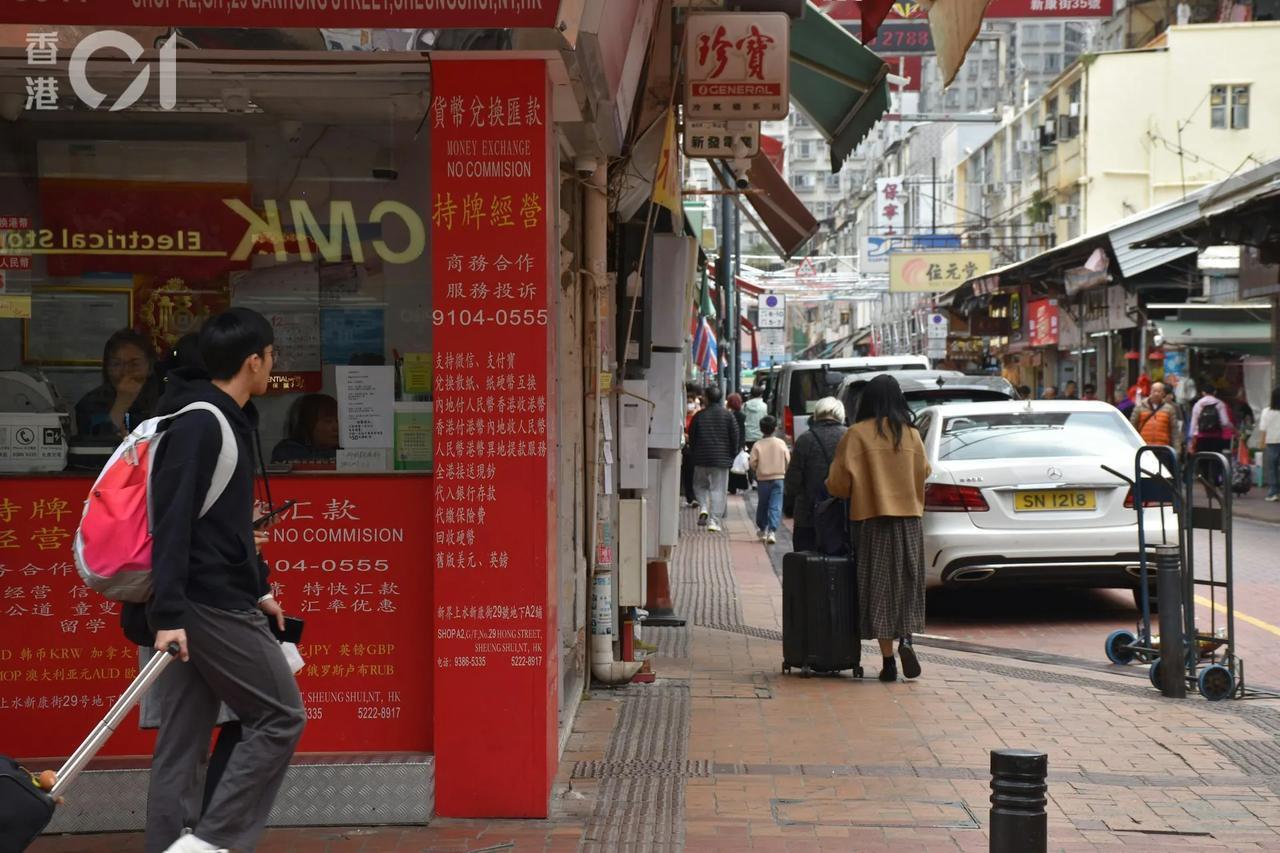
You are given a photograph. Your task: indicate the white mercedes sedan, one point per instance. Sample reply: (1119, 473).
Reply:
(1019, 496)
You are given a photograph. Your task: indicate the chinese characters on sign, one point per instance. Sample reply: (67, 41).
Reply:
(934, 272)
(889, 204)
(773, 311)
(347, 558)
(721, 139)
(494, 437)
(736, 65)
(1043, 316)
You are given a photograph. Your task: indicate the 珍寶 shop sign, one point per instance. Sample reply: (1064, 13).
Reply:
(424, 14)
(736, 65)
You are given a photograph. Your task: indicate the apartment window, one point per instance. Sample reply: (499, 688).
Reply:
(1052, 63)
(972, 99)
(833, 182)
(1052, 33)
(1229, 107)
(1031, 33)
(801, 181)
(804, 149)
(953, 99)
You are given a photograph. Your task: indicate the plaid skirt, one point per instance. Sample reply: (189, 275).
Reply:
(890, 561)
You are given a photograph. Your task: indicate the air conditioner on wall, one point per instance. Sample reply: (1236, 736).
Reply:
(1026, 146)
(991, 189)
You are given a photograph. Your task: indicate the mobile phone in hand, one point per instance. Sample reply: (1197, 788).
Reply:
(292, 632)
(265, 520)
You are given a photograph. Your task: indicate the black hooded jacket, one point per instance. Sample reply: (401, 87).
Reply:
(210, 560)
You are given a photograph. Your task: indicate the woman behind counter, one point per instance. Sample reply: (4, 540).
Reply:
(129, 389)
(312, 432)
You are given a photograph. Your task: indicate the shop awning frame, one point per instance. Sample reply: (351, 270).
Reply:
(841, 86)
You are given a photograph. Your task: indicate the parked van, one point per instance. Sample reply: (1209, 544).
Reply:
(799, 385)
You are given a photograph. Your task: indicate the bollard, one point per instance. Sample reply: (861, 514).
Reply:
(1173, 682)
(1018, 795)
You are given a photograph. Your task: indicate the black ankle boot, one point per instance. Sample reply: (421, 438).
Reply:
(889, 670)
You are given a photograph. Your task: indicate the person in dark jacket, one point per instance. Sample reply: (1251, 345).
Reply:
(714, 437)
(806, 479)
(210, 589)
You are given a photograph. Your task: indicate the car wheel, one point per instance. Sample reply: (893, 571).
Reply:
(1152, 602)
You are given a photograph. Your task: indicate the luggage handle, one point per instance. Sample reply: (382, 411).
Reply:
(102, 732)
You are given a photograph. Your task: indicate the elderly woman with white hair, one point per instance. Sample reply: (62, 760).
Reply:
(811, 457)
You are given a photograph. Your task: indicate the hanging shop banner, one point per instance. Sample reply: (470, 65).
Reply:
(710, 140)
(493, 227)
(737, 65)
(889, 212)
(424, 14)
(350, 559)
(1042, 317)
(849, 11)
(934, 272)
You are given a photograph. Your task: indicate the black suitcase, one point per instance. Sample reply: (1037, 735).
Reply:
(25, 808)
(820, 614)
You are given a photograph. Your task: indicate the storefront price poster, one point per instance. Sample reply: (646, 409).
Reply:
(350, 559)
(365, 399)
(493, 310)
(350, 332)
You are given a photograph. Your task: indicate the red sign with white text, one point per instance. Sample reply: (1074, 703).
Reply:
(495, 438)
(351, 559)
(849, 10)
(426, 14)
(1043, 316)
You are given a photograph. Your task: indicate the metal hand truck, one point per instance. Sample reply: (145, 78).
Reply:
(1159, 489)
(1223, 676)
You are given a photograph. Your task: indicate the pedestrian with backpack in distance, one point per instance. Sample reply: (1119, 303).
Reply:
(805, 484)
(769, 458)
(715, 441)
(1211, 426)
(880, 468)
(212, 598)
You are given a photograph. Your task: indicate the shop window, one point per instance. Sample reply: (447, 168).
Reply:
(318, 223)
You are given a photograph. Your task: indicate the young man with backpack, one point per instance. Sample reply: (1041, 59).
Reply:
(211, 597)
(1211, 425)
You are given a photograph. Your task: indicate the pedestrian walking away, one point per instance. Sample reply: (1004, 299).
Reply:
(714, 437)
(805, 484)
(1269, 432)
(769, 459)
(753, 411)
(1211, 425)
(211, 597)
(738, 482)
(880, 468)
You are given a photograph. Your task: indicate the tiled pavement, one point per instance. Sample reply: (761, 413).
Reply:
(726, 753)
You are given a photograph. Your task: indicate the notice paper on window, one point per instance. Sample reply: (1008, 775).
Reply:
(366, 396)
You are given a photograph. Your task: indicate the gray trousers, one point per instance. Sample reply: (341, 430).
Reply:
(711, 486)
(236, 660)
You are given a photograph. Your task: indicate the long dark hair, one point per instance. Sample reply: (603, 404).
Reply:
(882, 400)
(150, 392)
(1275, 398)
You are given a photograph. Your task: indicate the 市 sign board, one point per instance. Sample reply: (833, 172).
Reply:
(736, 65)
(425, 14)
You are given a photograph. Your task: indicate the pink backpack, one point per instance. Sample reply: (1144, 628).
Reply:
(113, 543)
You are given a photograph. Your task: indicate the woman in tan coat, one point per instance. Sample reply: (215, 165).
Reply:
(880, 468)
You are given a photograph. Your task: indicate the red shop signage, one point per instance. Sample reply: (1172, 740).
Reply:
(493, 214)
(1043, 319)
(427, 14)
(351, 559)
(850, 10)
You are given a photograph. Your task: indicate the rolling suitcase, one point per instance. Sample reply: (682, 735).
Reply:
(820, 614)
(25, 807)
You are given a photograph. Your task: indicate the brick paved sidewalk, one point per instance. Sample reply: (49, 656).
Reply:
(726, 753)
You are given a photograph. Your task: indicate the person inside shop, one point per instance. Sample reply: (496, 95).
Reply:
(129, 389)
(1071, 393)
(1090, 392)
(312, 434)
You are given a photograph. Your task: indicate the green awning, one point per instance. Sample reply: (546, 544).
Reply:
(1252, 337)
(835, 81)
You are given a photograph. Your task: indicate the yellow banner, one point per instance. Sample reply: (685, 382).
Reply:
(14, 307)
(934, 272)
(666, 184)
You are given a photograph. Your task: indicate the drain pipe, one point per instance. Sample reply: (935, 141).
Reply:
(595, 213)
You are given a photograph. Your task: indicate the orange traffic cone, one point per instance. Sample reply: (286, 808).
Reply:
(658, 603)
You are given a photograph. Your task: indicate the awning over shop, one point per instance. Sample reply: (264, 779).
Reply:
(776, 212)
(835, 81)
(1244, 328)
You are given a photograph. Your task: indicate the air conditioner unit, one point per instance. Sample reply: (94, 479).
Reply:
(1074, 109)
(1067, 211)
(1048, 135)
(1026, 146)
